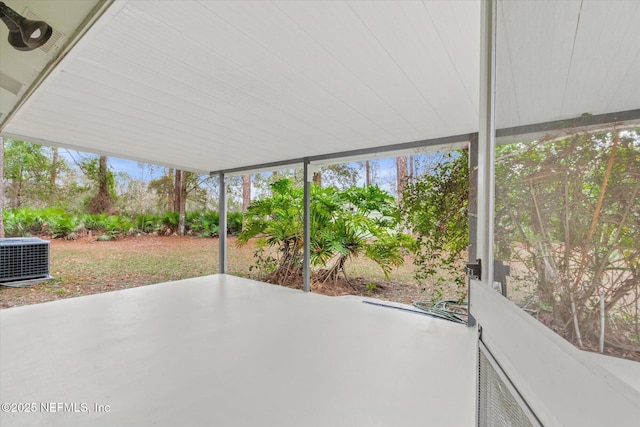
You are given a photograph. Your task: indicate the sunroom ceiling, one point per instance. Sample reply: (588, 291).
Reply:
(207, 86)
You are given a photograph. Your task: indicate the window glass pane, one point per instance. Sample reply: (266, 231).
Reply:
(567, 195)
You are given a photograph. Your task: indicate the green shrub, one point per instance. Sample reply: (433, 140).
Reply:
(111, 225)
(206, 223)
(64, 226)
(434, 207)
(146, 223)
(170, 220)
(22, 222)
(203, 224)
(234, 222)
(115, 225)
(61, 224)
(93, 221)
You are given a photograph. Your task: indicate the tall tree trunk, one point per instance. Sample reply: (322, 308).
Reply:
(411, 169)
(102, 202)
(171, 195)
(367, 169)
(103, 175)
(183, 202)
(53, 175)
(246, 192)
(401, 166)
(17, 193)
(54, 168)
(177, 191)
(1, 187)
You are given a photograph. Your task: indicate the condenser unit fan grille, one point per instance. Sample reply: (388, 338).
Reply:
(23, 259)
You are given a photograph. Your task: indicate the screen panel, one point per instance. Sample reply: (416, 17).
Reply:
(567, 193)
(499, 404)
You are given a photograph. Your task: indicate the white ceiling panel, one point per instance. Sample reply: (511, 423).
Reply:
(534, 43)
(558, 60)
(607, 49)
(204, 85)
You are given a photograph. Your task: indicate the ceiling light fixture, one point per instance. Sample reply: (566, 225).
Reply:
(24, 34)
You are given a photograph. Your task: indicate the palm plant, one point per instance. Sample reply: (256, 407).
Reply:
(363, 222)
(277, 222)
(344, 225)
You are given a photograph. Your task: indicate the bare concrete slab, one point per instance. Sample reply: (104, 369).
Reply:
(225, 351)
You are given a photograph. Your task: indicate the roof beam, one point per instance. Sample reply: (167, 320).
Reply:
(584, 121)
(353, 153)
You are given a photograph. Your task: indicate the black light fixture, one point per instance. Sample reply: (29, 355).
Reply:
(24, 34)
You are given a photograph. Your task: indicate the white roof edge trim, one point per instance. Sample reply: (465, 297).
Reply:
(294, 165)
(390, 154)
(298, 163)
(384, 151)
(98, 152)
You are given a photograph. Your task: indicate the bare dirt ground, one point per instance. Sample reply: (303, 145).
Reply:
(86, 266)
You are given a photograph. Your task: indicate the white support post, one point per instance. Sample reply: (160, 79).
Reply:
(486, 138)
(222, 224)
(1, 186)
(306, 238)
(473, 197)
(486, 158)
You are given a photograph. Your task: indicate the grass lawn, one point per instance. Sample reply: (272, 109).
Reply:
(87, 266)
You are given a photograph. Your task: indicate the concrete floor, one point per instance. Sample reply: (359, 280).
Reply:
(225, 351)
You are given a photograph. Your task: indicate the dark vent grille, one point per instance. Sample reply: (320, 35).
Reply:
(499, 403)
(55, 36)
(23, 259)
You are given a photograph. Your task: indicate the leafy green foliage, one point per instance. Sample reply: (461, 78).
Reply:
(91, 168)
(204, 224)
(357, 222)
(344, 225)
(147, 223)
(27, 170)
(234, 222)
(60, 224)
(567, 209)
(434, 206)
(22, 222)
(26, 222)
(111, 226)
(63, 226)
(339, 175)
(277, 221)
(170, 220)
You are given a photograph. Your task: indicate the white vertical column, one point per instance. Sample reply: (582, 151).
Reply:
(1, 186)
(486, 138)
(306, 220)
(222, 224)
(473, 197)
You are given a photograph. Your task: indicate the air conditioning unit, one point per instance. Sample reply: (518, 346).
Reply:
(23, 261)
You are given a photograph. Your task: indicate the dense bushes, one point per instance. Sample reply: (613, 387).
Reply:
(434, 208)
(60, 224)
(567, 212)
